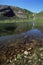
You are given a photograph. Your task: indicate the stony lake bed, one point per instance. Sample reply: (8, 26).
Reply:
(23, 49)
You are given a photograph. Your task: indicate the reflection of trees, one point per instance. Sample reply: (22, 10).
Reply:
(10, 27)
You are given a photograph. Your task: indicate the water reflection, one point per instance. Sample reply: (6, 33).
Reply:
(35, 33)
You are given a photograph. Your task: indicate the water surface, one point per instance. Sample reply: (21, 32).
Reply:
(34, 33)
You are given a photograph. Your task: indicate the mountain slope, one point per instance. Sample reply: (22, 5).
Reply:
(40, 15)
(12, 11)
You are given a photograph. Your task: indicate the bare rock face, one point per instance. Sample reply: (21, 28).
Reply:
(10, 11)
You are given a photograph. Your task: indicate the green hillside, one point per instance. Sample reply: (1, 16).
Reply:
(39, 17)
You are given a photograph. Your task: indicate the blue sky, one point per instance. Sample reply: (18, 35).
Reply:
(32, 5)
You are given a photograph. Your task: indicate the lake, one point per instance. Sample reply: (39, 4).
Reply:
(19, 27)
(34, 33)
(17, 45)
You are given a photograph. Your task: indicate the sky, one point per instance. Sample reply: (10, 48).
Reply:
(32, 5)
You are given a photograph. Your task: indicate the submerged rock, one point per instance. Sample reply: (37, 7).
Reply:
(26, 52)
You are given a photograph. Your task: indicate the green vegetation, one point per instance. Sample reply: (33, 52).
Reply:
(39, 21)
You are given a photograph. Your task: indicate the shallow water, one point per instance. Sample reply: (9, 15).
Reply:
(34, 33)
